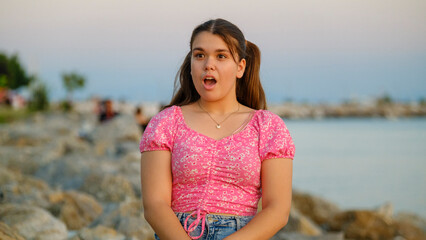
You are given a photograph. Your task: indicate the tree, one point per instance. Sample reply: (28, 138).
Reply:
(72, 81)
(39, 100)
(12, 74)
(385, 99)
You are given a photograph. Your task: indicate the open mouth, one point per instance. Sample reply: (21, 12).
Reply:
(209, 82)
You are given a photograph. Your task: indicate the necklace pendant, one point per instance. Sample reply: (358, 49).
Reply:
(218, 126)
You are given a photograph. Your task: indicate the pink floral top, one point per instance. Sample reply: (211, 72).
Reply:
(218, 176)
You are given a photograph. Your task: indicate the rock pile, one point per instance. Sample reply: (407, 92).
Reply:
(312, 217)
(63, 176)
(349, 109)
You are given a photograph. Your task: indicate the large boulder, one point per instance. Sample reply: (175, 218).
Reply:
(108, 187)
(410, 226)
(298, 223)
(67, 172)
(362, 224)
(128, 219)
(409, 231)
(300, 236)
(75, 209)
(23, 137)
(20, 189)
(98, 233)
(129, 166)
(7, 233)
(316, 208)
(32, 222)
(25, 160)
(116, 137)
(27, 145)
(412, 219)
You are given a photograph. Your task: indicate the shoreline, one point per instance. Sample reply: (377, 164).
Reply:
(349, 110)
(66, 176)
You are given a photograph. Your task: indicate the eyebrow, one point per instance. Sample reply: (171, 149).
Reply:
(217, 50)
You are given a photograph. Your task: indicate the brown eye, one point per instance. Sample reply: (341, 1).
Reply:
(198, 55)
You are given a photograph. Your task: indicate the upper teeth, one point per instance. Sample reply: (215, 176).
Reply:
(210, 78)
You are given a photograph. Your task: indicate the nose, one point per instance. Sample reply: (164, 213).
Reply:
(209, 64)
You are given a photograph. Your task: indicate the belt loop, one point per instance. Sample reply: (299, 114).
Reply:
(237, 219)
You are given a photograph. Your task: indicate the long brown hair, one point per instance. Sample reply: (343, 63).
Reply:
(249, 90)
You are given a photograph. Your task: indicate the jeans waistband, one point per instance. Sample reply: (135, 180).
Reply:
(203, 219)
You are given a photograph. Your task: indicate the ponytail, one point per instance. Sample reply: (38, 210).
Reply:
(249, 88)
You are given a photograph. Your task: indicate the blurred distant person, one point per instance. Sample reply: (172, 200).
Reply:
(97, 106)
(107, 111)
(141, 119)
(4, 96)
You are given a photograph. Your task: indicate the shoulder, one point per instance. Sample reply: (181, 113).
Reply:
(159, 133)
(267, 117)
(167, 114)
(166, 118)
(275, 140)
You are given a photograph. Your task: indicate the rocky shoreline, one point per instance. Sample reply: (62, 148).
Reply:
(349, 110)
(293, 110)
(64, 176)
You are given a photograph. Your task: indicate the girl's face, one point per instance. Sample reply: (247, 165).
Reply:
(213, 69)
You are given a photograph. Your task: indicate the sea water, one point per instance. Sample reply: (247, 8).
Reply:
(362, 163)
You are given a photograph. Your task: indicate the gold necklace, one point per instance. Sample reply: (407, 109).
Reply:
(218, 124)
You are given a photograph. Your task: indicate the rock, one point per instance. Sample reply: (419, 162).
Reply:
(68, 172)
(28, 160)
(99, 233)
(23, 139)
(316, 208)
(20, 189)
(129, 166)
(17, 158)
(6, 176)
(39, 142)
(412, 219)
(410, 226)
(299, 236)
(386, 211)
(128, 219)
(32, 222)
(108, 187)
(121, 129)
(300, 224)
(116, 137)
(76, 210)
(409, 231)
(7, 233)
(362, 224)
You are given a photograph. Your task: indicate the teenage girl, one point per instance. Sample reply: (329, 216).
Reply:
(211, 154)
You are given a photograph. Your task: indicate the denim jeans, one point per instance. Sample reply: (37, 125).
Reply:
(217, 226)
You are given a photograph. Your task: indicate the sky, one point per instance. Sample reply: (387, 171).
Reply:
(312, 51)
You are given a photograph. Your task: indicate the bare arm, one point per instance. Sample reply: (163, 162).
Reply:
(276, 175)
(156, 179)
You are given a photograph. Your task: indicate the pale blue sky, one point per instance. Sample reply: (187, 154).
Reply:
(312, 50)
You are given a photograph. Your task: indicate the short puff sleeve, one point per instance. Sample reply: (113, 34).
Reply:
(274, 138)
(160, 132)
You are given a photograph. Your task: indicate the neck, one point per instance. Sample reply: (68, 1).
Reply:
(219, 107)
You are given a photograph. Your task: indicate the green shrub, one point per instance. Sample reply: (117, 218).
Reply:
(39, 100)
(65, 106)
